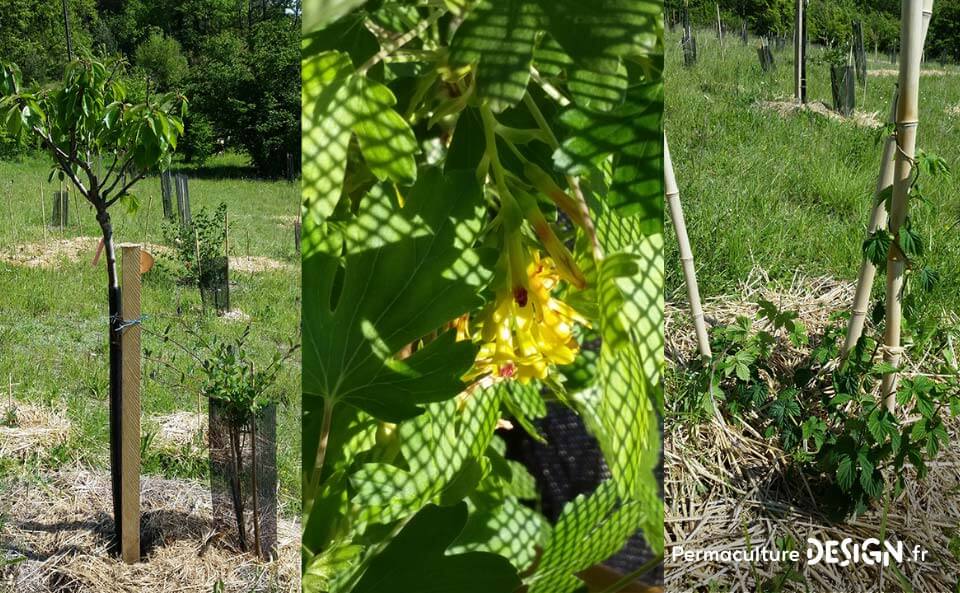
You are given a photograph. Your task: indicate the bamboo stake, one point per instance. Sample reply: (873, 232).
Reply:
(672, 193)
(799, 57)
(907, 119)
(878, 219)
(719, 26)
(43, 214)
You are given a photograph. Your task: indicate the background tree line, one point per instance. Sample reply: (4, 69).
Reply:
(237, 61)
(829, 21)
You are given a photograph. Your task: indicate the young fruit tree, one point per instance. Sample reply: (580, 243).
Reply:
(482, 239)
(103, 144)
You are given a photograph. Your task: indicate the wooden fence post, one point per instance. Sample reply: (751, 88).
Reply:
(130, 408)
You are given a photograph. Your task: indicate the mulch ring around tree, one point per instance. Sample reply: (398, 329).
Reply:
(26, 429)
(56, 537)
(789, 107)
(728, 487)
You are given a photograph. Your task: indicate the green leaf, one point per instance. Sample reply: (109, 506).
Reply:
(845, 471)
(386, 140)
(317, 14)
(603, 31)
(631, 359)
(510, 530)
(498, 37)
(130, 202)
(631, 133)
(406, 272)
(326, 130)
(876, 247)
(416, 562)
(441, 449)
(590, 530)
(337, 103)
(911, 243)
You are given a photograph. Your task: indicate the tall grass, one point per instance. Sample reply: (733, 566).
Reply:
(53, 320)
(793, 192)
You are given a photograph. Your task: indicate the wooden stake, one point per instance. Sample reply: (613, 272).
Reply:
(672, 193)
(911, 50)
(130, 406)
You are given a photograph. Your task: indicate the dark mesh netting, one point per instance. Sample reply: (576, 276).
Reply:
(215, 284)
(570, 464)
(235, 499)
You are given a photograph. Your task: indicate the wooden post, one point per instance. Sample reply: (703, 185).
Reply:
(672, 194)
(129, 519)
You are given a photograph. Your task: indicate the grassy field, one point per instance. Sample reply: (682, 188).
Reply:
(793, 192)
(53, 319)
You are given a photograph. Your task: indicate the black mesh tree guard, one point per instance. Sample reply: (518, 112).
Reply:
(568, 465)
(239, 494)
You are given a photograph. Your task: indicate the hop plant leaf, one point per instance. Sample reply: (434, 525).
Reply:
(416, 562)
(405, 272)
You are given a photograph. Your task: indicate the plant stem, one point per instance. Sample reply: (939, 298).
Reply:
(628, 579)
(254, 486)
(398, 42)
(589, 228)
(321, 448)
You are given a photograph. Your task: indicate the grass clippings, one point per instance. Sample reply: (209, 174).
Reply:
(57, 538)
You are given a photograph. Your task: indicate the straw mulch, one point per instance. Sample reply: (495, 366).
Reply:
(56, 537)
(33, 429)
(51, 253)
(179, 429)
(728, 487)
(48, 254)
(252, 264)
(895, 72)
(785, 108)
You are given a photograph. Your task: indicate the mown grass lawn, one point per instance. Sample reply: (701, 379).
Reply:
(53, 319)
(790, 193)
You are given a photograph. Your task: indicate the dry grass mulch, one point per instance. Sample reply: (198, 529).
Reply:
(728, 487)
(56, 537)
(786, 108)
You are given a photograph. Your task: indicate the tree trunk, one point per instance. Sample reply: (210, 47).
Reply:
(116, 361)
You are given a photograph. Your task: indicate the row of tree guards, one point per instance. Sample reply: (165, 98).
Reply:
(896, 168)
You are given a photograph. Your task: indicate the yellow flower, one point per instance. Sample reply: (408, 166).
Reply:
(525, 331)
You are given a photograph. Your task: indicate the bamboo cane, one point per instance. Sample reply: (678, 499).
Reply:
(672, 193)
(878, 218)
(798, 55)
(911, 35)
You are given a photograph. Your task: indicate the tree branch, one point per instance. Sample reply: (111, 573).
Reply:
(126, 187)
